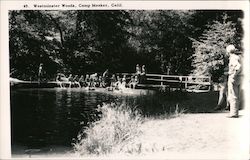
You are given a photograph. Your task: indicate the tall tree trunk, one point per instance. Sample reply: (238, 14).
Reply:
(60, 30)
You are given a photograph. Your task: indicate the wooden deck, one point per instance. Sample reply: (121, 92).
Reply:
(189, 83)
(167, 82)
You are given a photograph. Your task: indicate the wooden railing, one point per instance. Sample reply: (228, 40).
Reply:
(186, 80)
(173, 81)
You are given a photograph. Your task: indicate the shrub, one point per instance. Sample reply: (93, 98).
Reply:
(118, 126)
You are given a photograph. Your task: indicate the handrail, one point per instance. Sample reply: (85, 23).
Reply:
(163, 75)
(191, 82)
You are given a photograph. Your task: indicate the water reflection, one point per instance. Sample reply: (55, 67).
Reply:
(42, 117)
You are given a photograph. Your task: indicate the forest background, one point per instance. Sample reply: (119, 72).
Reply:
(75, 41)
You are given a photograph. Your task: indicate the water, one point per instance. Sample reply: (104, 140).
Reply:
(46, 117)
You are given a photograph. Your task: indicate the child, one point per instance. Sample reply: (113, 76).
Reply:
(123, 84)
(113, 81)
(70, 80)
(76, 81)
(58, 80)
(40, 72)
(143, 74)
(102, 82)
(132, 80)
(118, 83)
(135, 82)
(99, 81)
(93, 79)
(96, 82)
(81, 81)
(87, 80)
(138, 71)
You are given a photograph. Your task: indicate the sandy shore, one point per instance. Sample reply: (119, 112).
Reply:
(209, 135)
(189, 136)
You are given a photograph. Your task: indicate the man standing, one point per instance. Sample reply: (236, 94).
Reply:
(233, 81)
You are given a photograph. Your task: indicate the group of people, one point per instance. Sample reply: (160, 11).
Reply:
(92, 80)
(115, 82)
(118, 83)
(141, 73)
(230, 83)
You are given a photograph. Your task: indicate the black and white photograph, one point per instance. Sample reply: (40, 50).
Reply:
(86, 80)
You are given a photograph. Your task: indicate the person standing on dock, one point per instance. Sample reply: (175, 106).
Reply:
(233, 81)
(168, 68)
(138, 71)
(143, 74)
(40, 72)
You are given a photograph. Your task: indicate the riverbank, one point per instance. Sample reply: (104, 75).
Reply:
(194, 135)
(189, 136)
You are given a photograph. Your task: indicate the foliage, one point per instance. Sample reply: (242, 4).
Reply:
(210, 56)
(30, 45)
(163, 36)
(80, 42)
(117, 126)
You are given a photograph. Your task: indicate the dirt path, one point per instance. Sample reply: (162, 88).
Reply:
(209, 135)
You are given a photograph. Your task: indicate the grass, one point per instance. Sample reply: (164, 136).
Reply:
(117, 131)
(177, 112)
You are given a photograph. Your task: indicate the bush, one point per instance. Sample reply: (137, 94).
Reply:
(117, 127)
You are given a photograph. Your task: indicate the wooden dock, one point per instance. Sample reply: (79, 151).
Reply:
(159, 81)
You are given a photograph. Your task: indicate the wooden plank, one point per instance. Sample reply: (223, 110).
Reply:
(176, 81)
(159, 75)
(151, 85)
(203, 83)
(161, 80)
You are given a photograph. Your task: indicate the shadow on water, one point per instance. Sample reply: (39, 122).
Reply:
(45, 117)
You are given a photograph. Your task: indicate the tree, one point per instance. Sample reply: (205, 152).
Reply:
(210, 57)
(30, 45)
(162, 38)
(78, 42)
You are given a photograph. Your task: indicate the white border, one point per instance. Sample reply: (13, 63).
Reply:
(5, 145)
(131, 5)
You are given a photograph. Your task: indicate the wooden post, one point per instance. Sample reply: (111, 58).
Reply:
(209, 80)
(186, 79)
(161, 80)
